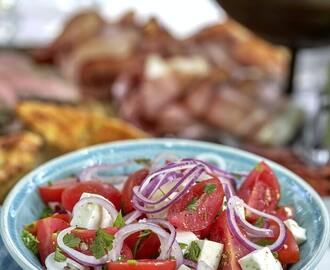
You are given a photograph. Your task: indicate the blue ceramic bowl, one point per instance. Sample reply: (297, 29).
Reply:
(23, 205)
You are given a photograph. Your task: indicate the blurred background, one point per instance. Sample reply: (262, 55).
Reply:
(250, 75)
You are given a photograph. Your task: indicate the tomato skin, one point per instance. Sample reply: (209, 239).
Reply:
(207, 207)
(233, 250)
(53, 192)
(148, 247)
(45, 234)
(143, 265)
(72, 194)
(66, 217)
(135, 179)
(260, 189)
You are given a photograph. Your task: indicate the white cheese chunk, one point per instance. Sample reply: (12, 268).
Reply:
(210, 254)
(185, 237)
(261, 259)
(184, 267)
(51, 264)
(299, 233)
(91, 216)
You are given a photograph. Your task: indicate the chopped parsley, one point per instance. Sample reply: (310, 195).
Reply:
(30, 241)
(183, 245)
(193, 252)
(264, 242)
(119, 221)
(260, 222)
(47, 212)
(192, 206)
(132, 262)
(259, 168)
(210, 188)
(143, 161)
(59, 256)
(49, 183)
(71, 241)
(102, 243)
(143, 234)
(275, 254)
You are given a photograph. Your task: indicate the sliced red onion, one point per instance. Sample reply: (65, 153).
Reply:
(76, 255)
(164, 237)
(106, 204)
(90, 173)
(190, 263)
(192, 175)
(131, 217)
(235, 230)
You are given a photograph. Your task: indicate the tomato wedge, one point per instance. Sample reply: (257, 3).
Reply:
(143, 265)
(197, 209)
(53, 192)
(143, 246)
(135, 179)
(72, 194)
(46, 229)
(261, 189)
(233, 250)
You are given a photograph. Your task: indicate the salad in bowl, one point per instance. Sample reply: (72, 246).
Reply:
(169, 213)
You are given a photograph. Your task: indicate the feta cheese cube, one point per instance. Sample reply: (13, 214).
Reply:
(185, 237)
(299, 233)
(51, 264)
(183, 267)
(210, 254)
(91, 216)
(261, 259)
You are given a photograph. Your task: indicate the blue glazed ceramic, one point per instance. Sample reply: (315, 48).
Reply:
(23, 204)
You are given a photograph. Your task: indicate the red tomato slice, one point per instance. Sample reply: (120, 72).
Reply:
(146, 247)
(261, 189)
(233, 250)
(65, 217)
(45, 234)
(53, 192)
(135, 179)
(143, 265)
(72, 194)
(200, 216)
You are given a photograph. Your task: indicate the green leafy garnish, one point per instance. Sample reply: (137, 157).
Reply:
(71, 241)
(47, 212)
(260, 222)
(143, 161)
(210, 188)
(264, 242)
(30, 241)
(275, 254)
(59, 256)
(183, 245)
(49, 183)
(143, 234)
(102, 243)
(119, 221)
(259, 168)
(193, 252)
(132, 262)
(192, 206)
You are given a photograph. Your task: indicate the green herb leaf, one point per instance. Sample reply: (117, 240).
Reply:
(275, 254)
(143, 161)
(47, 212)
(132, 262)
(30, 241)
(264, 242)
(119, 222)
(71, 241)
(59, 256)
(193, 252)
(102, 243)
(49, 183)
(259, 168)
(183, 245)
(210, 188)
(192, 206)
(260, 222)
(143, 234)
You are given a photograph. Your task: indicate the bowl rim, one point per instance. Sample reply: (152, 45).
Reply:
(25, 264)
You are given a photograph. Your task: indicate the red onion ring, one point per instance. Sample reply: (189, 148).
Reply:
(76, 255)
(164, 156)
(235, 230)
(190, 263)
(106, 204)
(131, 217)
